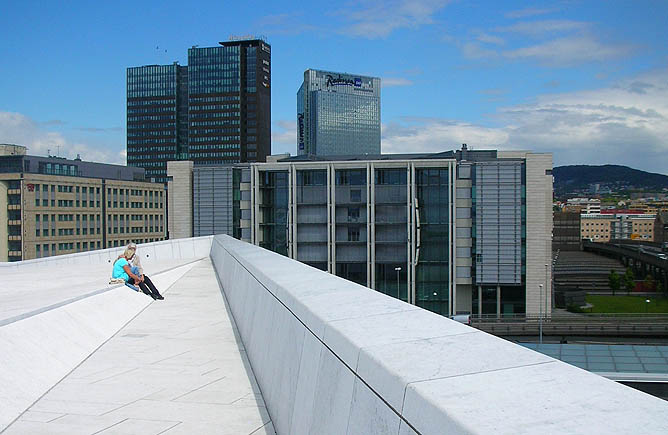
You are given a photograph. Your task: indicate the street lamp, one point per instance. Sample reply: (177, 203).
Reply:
(646, 305)
(540, 316)
(398, 269)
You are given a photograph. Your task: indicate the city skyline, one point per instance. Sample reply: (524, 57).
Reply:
(585, 80)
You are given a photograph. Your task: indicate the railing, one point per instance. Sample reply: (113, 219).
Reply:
(572, 318)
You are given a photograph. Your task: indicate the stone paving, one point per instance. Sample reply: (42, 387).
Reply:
(179, 367)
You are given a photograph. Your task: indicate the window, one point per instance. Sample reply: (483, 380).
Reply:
(355, 195)
(353, 214)
(353, 234)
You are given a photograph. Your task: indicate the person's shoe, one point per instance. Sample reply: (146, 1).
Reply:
(161, 297)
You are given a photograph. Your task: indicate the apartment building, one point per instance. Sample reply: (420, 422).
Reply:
(617, 225)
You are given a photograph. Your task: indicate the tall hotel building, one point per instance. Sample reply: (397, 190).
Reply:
(216, 110)
(338, 114)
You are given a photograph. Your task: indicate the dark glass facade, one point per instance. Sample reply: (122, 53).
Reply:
(434, 240)
(273, 205)
(351, 229)
(391, 231)
(216, 110)
(311, 196)
(152, 118)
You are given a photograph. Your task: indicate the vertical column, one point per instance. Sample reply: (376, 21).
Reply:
(412, 235)
(538, 231)
(498, 301)
(369, 269)
(255, 200)
(292, 211)
(371, 216)
(331, 219)
(409, 213)
(452, 242)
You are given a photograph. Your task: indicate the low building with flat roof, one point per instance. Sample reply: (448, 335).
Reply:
(53, 205)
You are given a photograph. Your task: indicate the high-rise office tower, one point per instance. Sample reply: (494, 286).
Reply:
(338, 114)
(216, 110)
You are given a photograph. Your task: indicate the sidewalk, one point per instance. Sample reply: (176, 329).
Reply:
(176, 368)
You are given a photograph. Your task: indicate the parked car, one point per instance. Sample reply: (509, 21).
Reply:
(462, 318)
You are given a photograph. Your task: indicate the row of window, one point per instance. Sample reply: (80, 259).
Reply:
(46, 249)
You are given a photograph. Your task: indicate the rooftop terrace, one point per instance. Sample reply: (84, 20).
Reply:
(247, 341)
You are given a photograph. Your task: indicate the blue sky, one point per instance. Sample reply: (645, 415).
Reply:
(586, 80)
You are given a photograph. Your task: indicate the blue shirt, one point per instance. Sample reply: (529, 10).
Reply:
(118, 271)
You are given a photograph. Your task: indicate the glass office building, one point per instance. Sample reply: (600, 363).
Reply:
(338, 114)
(453, 232)
(215, 111)
(156, 117)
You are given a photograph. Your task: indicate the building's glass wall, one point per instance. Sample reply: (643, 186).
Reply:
(152, 118)
(338, 114)
(312, 240)
(432, 278)
(499, 236)
(351, 231)
(513, 300)
(214, 76)
(273, 204)
(498, 222)
(391, 231)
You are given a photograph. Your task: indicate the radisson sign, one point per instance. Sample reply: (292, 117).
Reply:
(342, 81)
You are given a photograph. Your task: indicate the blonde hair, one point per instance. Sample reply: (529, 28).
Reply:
(129, 252)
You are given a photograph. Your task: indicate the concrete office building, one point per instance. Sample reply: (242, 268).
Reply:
(52, 206)
(338, 114)
(210, 200)
(215, 111)
(464, 231)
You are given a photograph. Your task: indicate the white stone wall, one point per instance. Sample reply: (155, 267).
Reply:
(539, 233)
(333, 357)
(180, 199)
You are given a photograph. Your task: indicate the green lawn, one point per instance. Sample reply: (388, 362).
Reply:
(627, 304)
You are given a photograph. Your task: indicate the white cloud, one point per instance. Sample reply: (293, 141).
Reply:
(292, 23)
(568, 51)
(617, 125)
(377, 19)
(538, 28)
(528, 12)
(490, 39)
(552, 43)
(475, 50)
(416, 135)
(388, 82)
(21, 130)
(284, 137)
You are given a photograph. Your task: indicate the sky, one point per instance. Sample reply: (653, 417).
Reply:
(584, 80)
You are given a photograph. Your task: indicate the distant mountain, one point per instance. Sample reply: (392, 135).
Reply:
(579, 177)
